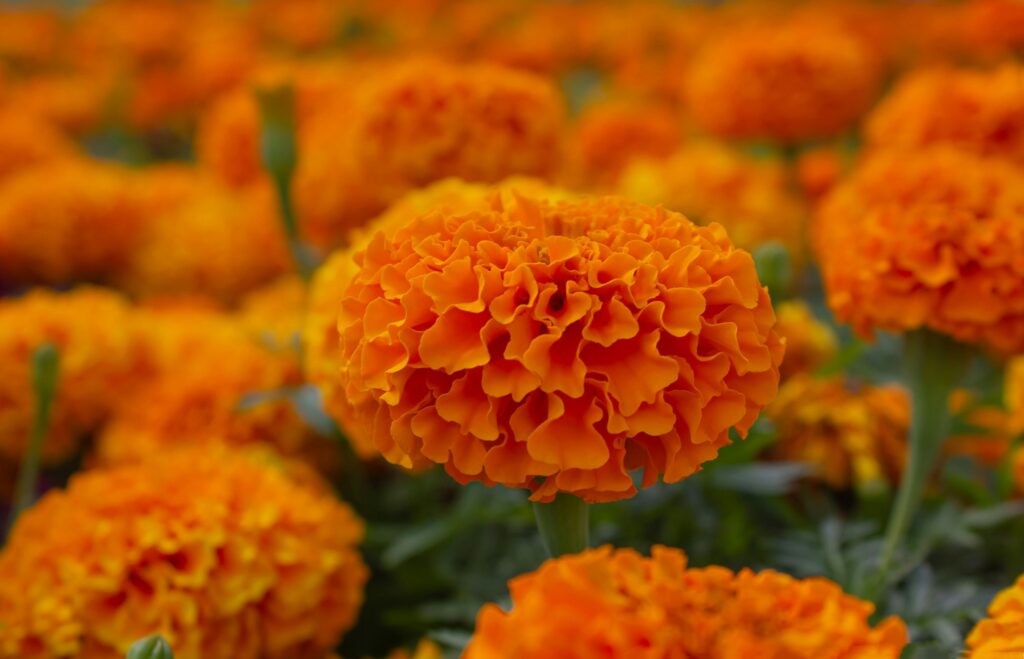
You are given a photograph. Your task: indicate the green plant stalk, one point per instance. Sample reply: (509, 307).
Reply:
(564, 524)
(934, 365)
(45, 367)
(279, 152)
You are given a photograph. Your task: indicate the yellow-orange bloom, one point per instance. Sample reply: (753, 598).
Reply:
(238, 403)
(219, 552)
(789, 82)
(89, 327)
(556, 346)
(275, 313)
(810, 343)
(977, 111)
(610, 135)
(711, 182)
(621, 605)
(215, 241)
(999, 635)
(66, 220)
(928, 239)
(26, 140)
(425, 649)
(849, 436)
(421, 121)
(228, 139)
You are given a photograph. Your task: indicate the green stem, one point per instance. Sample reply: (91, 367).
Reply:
(934, 365)
(45, 363)
(563, 524)
(279, 151)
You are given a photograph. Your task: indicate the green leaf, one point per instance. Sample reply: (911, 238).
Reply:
(151, 647)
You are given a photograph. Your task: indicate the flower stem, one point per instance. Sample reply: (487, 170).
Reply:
(564, 524)
(45, 363)
(279, 152)
(934, 365)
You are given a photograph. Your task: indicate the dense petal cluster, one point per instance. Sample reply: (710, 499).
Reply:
(65, 220)
(791, 82)
(421, 121)
(849, 436)
(710, 182)
(556, 345)
(220, 553)
(214, 241)
(974, 110)
(89, 328)
(621, 605)
(609, 135)
(241, 402)
(927, 239)
(1000, 634)
(810, 343)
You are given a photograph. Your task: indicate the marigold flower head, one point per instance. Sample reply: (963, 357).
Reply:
(26, 140)
(810, 343)
(819, 170)
(239, 403)
(425, 649)
(228, 139)
(711, 182)
(74, 102)
(30, 36)
(275, 313)
(619, 604)
(89, 327)
(66, 220)
(556, 345)
(999, 635)
(219, 552)
(609, 135)
(215, 241)
(927, 239)
(977, 111)
(421, 121)
(850, 436)
(790, 82)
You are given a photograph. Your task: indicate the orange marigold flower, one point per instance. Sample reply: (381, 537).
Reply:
(215, 241)
(89, 327)
(66, 220)
(320, 335)
(791, 82)
(276, 312)
(711, 182)
(237, 404)
(1013, 394)
(219, 552)
(30, 36)
(978, 111)
(228, 139)
(610, 135)
(74, 102)
(927, 239)
(810, 343)
(620, 604)
(421, 121)
(556, 346)
(849, 436)
(26, 140)
(999, 635)
(819, 170)
(425, 649)
(993, 29)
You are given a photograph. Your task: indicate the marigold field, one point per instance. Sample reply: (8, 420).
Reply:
(512, 329)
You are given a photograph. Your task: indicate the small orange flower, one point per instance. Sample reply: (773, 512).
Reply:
(849, 436)
(977, 111)
(239, 403)
(610, 135)
(556, 346)
(219, 552)
(275, 313)
(819, 170)
(999, 635)
(214, 241)
(90, 328)
(421, 121)
(790, 82)
(928, 239)
(425, 649)
(810, 343)
(26, 140)
(228, 139)
(621, 605)
(711, 182)
(66, 220)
